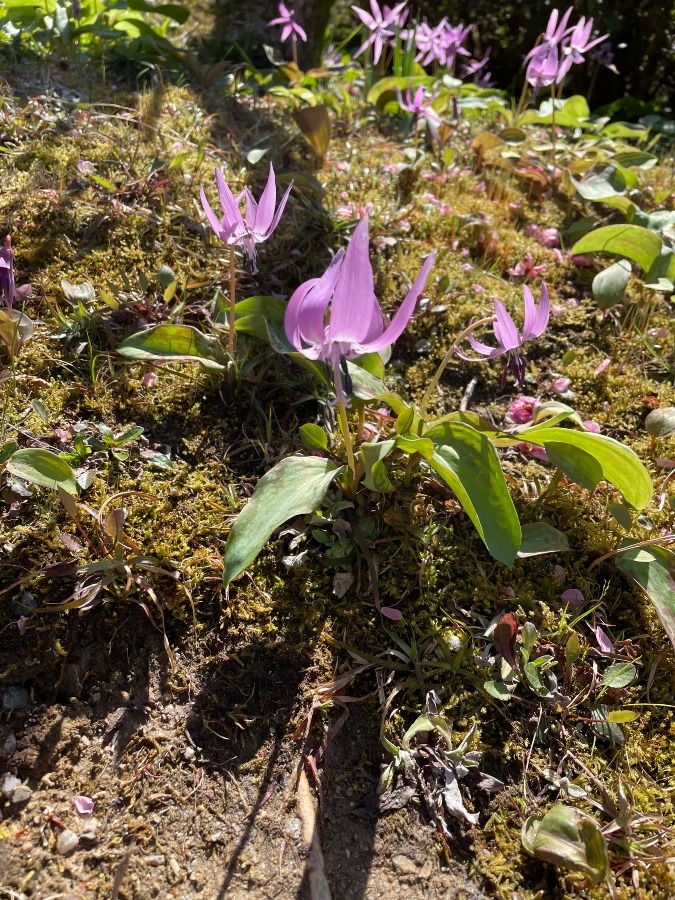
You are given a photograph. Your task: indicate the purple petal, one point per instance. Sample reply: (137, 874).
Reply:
(504, 328)
(280, 209)
(353, 291)
(214, 221)
(265, 210)
(395, 614)
(306, 311)
(483, 349)
(365, 17)
(302, 34)
(403, 313)
(604, 643)
(83, 805)
(230, 209)
(572, 597)
(536, 320)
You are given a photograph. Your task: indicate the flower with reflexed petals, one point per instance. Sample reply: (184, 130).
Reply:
(337, 317)
(255, 225)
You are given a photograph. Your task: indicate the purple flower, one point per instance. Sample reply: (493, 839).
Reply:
(453, 39)
(544, 59)
(337, 317)
(8, 290)
(258, 222)
(509, 340)
(576, 43)
(522, 410)
(382, 25)
(418, 105)
(604, 56)
(291, 29)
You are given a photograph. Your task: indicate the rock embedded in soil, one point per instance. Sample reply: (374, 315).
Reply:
(404, 865)
(66, 842)
(21, 794)
(15, 697)
(9, 784)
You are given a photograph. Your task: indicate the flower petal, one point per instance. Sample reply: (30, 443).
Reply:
(265, 208)
(403, 313)
(504, 327)
(214, 221)
(536, 320)
(306, 311)
(230, 209)
(351, 310)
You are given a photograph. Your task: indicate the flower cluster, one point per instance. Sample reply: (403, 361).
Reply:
(560, 47)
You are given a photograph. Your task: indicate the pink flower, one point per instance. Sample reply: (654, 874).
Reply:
(532, 450)
(604, 365)
(549, 237)
(591, 426)
(560, 385)
(527, 268)
(521, 410)
(291, 29)
(418, 105)
(382, 25)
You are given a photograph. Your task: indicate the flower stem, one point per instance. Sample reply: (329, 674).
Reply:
(233, 293)
(433, 384)
(346, 436)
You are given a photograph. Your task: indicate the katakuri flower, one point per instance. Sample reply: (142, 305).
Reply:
(575, 44)
(509, 340)
(382, 25)
(291, 29)
(418, 105)
(8, 289)
(337, 317)
(544, 59)
(257, 223)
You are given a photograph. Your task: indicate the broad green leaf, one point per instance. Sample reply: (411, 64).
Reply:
(632, 241)
(294, 487)
(255, 315)
(636, 159)
(660, 423)
(175, 11)
(498, 690)
(569, 838)
(589, 458)
(573, 113)
(657, 221)
(314, 437)
(43, 468)
(177, 343)
(314, 123)
(370, 454)
(653, 569)
(604, 180)
(661, 275)
(604, 727)
(393, 83)
(619, 675)
(468, 464)
(539, 538)
(609, 286)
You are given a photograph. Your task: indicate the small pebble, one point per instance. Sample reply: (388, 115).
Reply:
(157, 859)
(66, 842)
(293, 828)
(89, 829)
(15, 698)
(10, 744)
(403, 865)
(188, 753)
(9, 784)
(21, 794)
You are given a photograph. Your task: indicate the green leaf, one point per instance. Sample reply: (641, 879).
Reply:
(609, 286)
(539, 538)
(636, 159)
(603, 726)
(389, 86)
(371, 455)
(131, 434)
(313, 437)
(661, 275)
(619, 675)
(631, 241)
(660, 423)
(498, 690)
(589, 458)
(44, 468)
(294, 487)
(653, 569)
(468, 464)
(314, 123)
(569, 838)
(177, 343)
(621, 716)
(175, 11)
(604, 180)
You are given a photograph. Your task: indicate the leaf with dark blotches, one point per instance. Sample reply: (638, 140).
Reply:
(505, 639)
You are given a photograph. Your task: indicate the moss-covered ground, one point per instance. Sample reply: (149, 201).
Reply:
(102, 186)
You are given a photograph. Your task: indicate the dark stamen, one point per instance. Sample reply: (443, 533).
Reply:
(347, 378)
